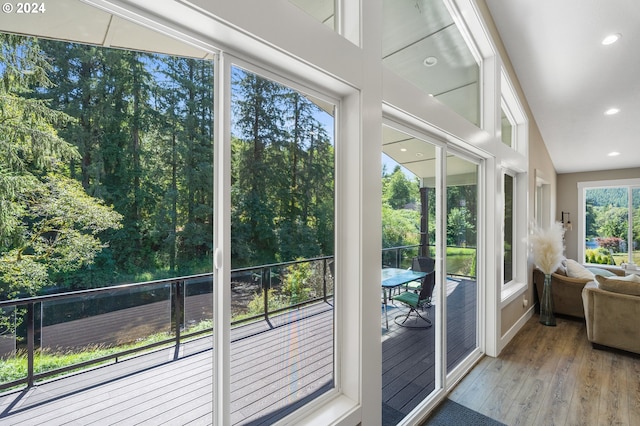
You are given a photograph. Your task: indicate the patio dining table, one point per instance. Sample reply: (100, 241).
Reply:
(394, 278)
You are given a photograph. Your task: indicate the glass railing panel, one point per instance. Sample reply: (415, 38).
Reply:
(198, 304)
(89, 327)
(247, 300)
(12, 362)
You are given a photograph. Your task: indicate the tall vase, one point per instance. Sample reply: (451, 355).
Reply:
(546, 304)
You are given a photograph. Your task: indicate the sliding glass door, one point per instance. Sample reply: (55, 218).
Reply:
(409, 349)
(461, 254)
(282, 247)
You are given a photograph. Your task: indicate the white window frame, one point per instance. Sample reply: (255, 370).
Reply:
(582, 188)
(514, 245)
(512, 108)
(352, 246)
(515, 161)
(518, 285)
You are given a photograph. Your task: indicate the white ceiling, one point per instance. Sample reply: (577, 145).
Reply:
(569, 78)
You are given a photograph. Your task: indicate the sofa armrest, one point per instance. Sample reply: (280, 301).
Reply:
(611, 318)
(566, 292)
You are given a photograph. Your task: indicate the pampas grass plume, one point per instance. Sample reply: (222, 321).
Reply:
(547, 248)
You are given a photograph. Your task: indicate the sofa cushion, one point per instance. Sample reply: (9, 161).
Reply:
(576, 270)
(602, 272)
(627, 285)
(562, 268)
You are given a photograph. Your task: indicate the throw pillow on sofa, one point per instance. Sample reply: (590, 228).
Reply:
(600, 271)
(576, 270)
(626, 285)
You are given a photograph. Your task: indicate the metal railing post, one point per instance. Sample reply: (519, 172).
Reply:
(266, 284)
(324, 279)
(177, 309)
(30, 342)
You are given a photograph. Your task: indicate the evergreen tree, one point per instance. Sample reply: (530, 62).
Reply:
(49, 225)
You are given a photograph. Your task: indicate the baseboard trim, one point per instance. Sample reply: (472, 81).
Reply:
(510, 334)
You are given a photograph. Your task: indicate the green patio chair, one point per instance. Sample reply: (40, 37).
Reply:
(421, 264)
(416, 302)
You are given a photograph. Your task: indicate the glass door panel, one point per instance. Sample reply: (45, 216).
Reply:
(282, 246)
(461, 277)
(408, 233)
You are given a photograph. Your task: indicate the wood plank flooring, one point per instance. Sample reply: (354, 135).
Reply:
(552, 376)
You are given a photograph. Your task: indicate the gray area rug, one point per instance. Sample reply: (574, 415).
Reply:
(451, 413)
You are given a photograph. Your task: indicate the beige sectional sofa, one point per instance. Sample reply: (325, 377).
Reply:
(567, 290)
(612, 310)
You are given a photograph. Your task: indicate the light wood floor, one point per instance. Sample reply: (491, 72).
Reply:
(552, 376)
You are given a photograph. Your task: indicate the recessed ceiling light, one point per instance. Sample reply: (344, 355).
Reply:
(419, 154)
(403, 149)
(611, 38)
(430, 61)
(612, 111)
(613, 154)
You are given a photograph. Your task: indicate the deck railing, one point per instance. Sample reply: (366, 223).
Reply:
(460, 260)
(115, 316)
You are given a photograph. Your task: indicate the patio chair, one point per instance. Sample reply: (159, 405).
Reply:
(422, 264)
(417, 301)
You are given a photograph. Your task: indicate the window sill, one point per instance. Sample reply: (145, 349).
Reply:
(337, 411)
(510, 292)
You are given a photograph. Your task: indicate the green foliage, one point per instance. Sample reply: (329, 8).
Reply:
(136, 131)
(300, 283)
(398, 191)
(462, 261)
(458, 224)
(600, 256)
(296, 282)
(605, 197)
(400, 227)
(29, 142)
(282, 193)
(256, 305)
(25, 277)
(611, 221)
(60, 235)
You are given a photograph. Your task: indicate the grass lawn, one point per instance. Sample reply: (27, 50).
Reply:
(622, 257)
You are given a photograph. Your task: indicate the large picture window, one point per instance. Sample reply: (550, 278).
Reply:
(611, 223)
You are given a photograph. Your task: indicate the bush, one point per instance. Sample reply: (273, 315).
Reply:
(275, 301)
(610, 243)
(601, 256)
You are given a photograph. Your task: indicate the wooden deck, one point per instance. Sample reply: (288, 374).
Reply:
(408, 356)
(275, 368)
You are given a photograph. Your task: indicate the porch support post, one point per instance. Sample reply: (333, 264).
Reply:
(424, 222)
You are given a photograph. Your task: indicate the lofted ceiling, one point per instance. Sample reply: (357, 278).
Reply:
(570, 78)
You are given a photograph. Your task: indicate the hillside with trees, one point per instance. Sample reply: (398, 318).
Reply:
(108, 172)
